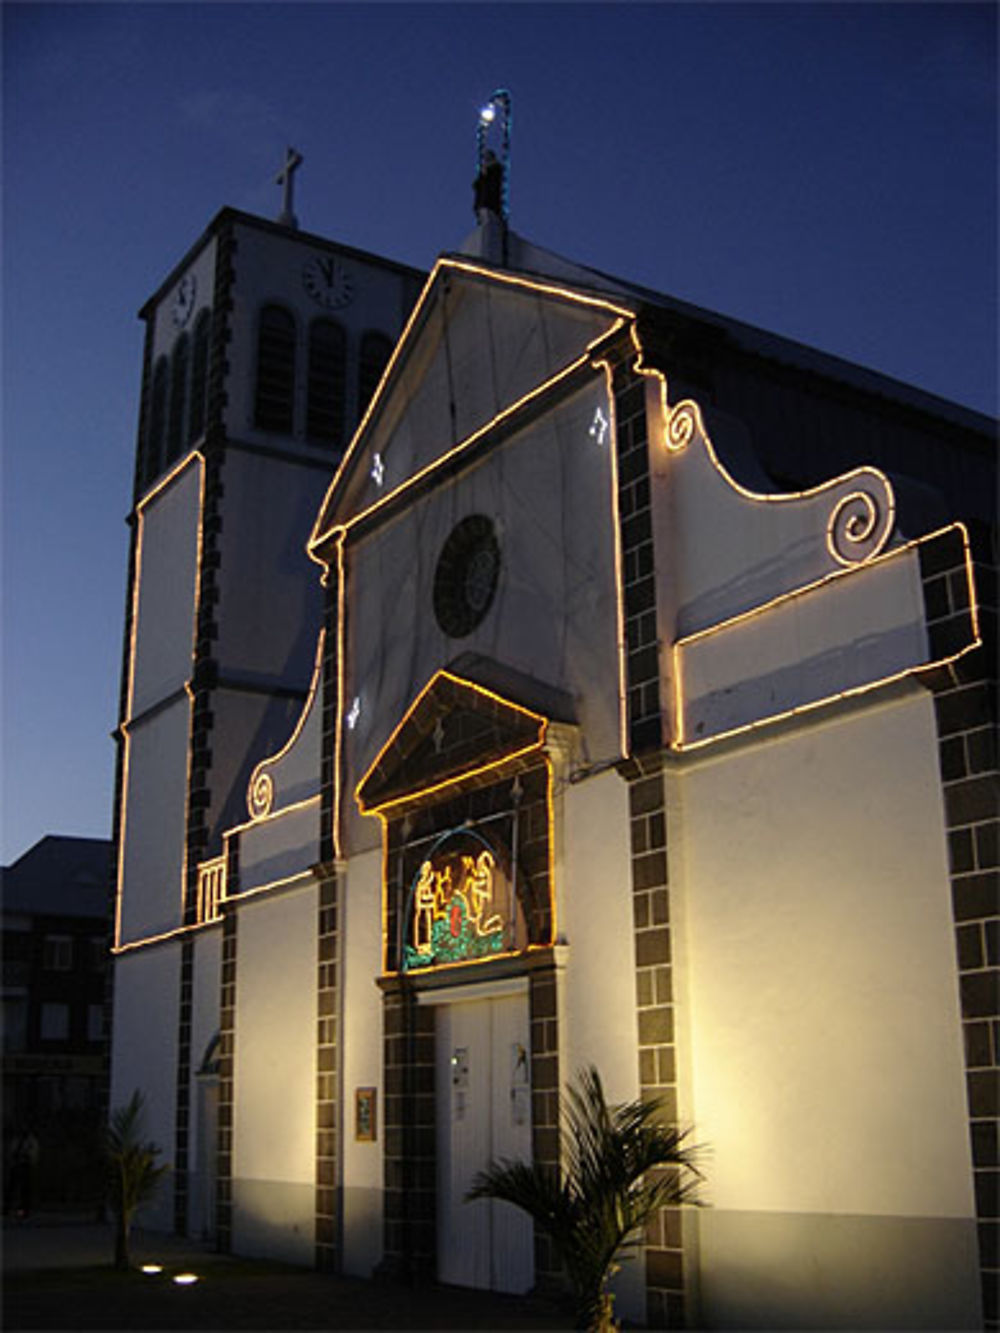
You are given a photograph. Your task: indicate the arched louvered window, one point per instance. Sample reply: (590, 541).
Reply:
(179, 363)
(199, 377)
(157, 425)
(376, 349)
(327, 383)
(274, 404)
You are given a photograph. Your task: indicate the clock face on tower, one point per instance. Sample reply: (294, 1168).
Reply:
(328, 282)
(183, 302)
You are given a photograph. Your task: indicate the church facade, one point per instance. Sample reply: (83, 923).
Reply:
(619, 691)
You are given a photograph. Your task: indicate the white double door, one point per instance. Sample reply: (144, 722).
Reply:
(483, 1114)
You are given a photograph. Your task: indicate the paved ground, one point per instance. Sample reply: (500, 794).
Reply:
(58, 1275)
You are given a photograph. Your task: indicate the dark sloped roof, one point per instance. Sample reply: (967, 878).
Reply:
(59, 876)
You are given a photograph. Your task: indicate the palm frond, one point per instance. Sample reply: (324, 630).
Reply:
(621, 1164)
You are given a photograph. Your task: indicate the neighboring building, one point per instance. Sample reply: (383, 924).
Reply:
(651, 724)
(55, 965)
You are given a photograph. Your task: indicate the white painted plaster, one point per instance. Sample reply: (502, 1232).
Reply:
(277, 848)
(205, 996)
(274, 1135)
(444, 375)
(554, 613)
(168, 564)
(862, 627)
(270, 599)
(598, 1023)
(361, 921)
(826, 1050)
(144, 1055)
(154, 829)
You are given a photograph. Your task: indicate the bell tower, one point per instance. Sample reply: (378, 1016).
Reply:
(262, 348)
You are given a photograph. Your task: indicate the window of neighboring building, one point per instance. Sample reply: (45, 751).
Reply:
(326, 383)
(57, 953)
(376, 349)
(15, 1023)
(199, 377)
(156, 430)
(178, 397)
(274, 403)
(95, 1022)
(97, 953)
(54, 1025)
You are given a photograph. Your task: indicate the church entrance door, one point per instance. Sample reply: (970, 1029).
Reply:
(483, 1112)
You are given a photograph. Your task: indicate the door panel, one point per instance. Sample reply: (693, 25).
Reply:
(483, 1112)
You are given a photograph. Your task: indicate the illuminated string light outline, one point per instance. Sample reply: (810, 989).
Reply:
(621, 313)
(442, 460)
(619, 573)
(682, 421)
(338, 532)
(260, 788)
(418, 794)
(211, 889)
(338, 726)
(194, 457)
(680, 743)
(260, 820)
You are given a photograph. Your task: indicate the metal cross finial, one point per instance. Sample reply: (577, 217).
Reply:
(492, 171)
(293, 160)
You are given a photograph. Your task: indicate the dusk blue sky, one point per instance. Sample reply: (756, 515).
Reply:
(827, 172)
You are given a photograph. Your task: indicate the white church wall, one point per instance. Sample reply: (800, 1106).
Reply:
(154, 831)
(444, 376)
(274, 1134)
(856, 630)
(167, 570)
(270, 599)
(361, 924)
(598, 1007)
(279, 847)
(205, 995)
(248, 727)
(823, 1029)
(144, 1055)
(554, 612)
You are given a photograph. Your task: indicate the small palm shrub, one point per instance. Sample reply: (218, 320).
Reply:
(134, 1174)
(620, 1165)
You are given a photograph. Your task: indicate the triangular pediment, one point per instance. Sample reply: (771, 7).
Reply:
(454, 731)
(479, 342)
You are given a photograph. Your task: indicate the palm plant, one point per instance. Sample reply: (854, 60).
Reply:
(133, 1170)
(621, 1164)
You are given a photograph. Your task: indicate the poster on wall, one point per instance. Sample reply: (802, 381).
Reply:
(365, 1113)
